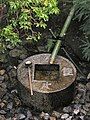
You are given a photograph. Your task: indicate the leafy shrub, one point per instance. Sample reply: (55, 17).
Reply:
(23, 17)
(83, 13)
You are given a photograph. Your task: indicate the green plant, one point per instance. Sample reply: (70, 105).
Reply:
(23, 18)
(86, 49)
(83, 13)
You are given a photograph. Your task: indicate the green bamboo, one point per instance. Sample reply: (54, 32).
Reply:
(63, 32)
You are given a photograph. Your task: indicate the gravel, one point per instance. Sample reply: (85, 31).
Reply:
(11, 107)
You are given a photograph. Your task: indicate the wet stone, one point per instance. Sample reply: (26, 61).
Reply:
(65, 116)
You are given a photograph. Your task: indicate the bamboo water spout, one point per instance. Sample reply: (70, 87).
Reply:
(62, 34)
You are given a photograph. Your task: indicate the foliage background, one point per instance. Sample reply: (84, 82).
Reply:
(23, 17)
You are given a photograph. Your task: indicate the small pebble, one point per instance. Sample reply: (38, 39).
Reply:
(88, 86)
(10, 105)
(21, 116)
(83, 111)
(2, 117)
(2, 72)
(46, 116)
(14, 91)
(85, 107)
(56, 114)
(9, 118)
(67, 109)
(70, 118)
(52, 118)
(1, 78)
(29, 114)
(2, 104)
(76, 111)
(88, 77)
(65, 116)
(35, 118)
(42, 115)
(81, 117)
(2, 112)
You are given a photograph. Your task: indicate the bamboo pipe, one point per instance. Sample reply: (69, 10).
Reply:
(63, 31)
